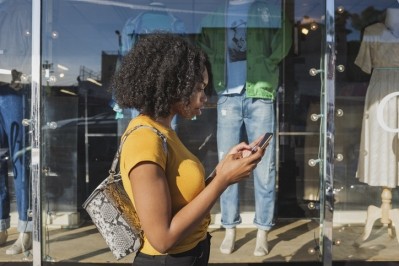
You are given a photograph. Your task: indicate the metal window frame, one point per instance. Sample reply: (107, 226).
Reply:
(327, 165)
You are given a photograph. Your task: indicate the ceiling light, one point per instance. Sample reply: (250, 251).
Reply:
(62, 67)
(68, 92)
(5, 71)
(94, 81)
(305, 31)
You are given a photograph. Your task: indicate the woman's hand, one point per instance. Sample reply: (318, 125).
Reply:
(240, 148)
(245, 149)
(235, 166)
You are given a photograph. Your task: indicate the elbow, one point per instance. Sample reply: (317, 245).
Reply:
(161, 248)
(163, 245)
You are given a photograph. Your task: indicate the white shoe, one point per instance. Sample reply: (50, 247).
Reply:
(3, 237)
(227, 245)
(261, 248)
(23, 243)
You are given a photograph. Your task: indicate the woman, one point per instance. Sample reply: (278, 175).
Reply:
(164, 75)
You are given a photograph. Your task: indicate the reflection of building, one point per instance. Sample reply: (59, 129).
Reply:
(108, 66)
(80, 136)
(80, 149)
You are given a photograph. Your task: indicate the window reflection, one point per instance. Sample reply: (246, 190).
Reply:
(15, 69)
(83, 43)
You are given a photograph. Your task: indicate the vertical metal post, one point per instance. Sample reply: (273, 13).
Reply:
(35, 136)
(328, 127)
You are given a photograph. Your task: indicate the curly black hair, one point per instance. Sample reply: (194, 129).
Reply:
(159, 71)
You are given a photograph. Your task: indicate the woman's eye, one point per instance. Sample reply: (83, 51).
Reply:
(200, 88)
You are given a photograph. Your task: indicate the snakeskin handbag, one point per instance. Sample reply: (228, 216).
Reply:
(113, 213)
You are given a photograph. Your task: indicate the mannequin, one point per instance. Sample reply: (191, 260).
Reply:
(15, 59)
(245, 67)
(377, 163)
(155, 18)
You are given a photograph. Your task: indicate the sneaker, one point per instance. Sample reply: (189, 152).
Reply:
(3, 237)
(23, 243)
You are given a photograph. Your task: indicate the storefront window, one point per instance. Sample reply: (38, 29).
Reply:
(269, 57)
(85, 41)
(15, 152)
(366, 169)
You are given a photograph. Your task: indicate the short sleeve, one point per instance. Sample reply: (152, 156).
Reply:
(143, 144)
(363, 59)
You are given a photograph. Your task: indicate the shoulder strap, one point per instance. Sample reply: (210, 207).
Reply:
(118, 152)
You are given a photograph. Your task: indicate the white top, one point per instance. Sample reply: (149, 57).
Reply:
(392, 20)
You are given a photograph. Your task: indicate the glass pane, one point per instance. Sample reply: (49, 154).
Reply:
(83, 43)
(366, 169)
(300, 124)
(15, 157)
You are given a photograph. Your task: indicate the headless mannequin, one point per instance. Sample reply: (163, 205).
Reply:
(227, 246)
(388, 215)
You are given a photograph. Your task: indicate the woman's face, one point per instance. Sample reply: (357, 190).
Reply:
(197, 99)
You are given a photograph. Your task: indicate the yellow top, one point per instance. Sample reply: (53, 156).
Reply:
(184, 172)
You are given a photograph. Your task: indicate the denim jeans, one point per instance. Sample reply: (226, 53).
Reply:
(12, 136)
(198, 256)
(255, 116)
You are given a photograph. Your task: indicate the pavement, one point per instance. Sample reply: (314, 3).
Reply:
(292, 241)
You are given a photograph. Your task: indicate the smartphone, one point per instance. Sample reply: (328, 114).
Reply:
(264, 142)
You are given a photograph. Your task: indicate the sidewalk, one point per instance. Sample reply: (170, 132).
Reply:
(290, 241)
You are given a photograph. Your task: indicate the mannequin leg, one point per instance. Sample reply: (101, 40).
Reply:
(373, 213)
(227, 246)
(12, 112)
(386, 214)
(394, 214)
(262, 247)
(229, 123)
(260, 119)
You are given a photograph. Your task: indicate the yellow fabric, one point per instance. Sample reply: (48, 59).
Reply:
(184, 172)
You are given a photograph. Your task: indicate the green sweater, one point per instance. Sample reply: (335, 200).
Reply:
(268, 42)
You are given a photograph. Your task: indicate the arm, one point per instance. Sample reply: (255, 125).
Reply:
(153, 202)
(282, 42)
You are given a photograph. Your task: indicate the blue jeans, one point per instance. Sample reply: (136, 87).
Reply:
(256, 116)
(12, 137)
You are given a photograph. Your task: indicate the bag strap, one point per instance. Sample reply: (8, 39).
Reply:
(118, 152)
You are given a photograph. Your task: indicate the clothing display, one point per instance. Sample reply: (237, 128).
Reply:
(157, 18)
(15, 59)
(267, 41)
(183, 170)
(246, 41)
(379, 149)
(15, 49)
(13, 137)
